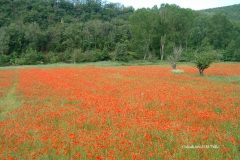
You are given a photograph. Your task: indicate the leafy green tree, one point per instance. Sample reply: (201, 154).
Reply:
(203, 60)
(4, 41)
(142, 28)
(33, 36)
(76, 54)
(55, 38)
(17, 41)
(122, 52)
(162, 42)
(219, 31)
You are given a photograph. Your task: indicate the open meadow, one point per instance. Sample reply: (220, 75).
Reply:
(119, 112)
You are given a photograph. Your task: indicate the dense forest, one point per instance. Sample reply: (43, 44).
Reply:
(50, 31)
(232, 12)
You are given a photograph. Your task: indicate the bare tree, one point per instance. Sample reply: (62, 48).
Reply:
(174, 58)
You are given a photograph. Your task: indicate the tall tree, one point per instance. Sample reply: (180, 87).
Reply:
(219, 31)
(162, 43)
(33, 36)
(4, 41)
(142, 29)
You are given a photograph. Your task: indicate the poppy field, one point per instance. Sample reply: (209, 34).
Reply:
(120, 112)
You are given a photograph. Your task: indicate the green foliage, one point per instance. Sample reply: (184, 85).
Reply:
(51, 57)
(143, 22)
(33, 57)
(29, 57)
(203, 60)
(101, 55)
(122, 52)
(87, 56)
(4, 60)
(231, 12)
(53, 30)
(76, 55)
(4, 41)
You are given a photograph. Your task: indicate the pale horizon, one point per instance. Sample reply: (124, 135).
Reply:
(195, 5)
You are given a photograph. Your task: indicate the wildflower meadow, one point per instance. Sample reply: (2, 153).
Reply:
(119, 112)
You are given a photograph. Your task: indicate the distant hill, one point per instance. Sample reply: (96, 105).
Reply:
(232, 12)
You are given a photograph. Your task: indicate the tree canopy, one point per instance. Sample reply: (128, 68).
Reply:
(60, 30)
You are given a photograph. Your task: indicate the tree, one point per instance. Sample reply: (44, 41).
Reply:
(203, 60)
(162, 43)
(4, 41)
(143, 22)
(76, 54)
(219, 31)
(33, 35)
(174, 58)
(122, 52)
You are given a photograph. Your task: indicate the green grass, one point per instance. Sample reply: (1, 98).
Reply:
(102, 63)
(106, 64)
(10, 101)
(235, 79)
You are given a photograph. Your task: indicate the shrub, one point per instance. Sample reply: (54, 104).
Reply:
(177, 71)
(32, 57)
(122, 52)
(51, 57)
(65, 56)
(101, 55)
(87, 56)
(20, 61)
(4, 60)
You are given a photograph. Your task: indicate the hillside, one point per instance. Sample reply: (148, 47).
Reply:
(51, 31)
(232, 12)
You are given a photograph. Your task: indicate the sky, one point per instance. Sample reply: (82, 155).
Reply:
(193, 4)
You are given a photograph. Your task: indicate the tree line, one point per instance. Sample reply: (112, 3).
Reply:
(50, 31)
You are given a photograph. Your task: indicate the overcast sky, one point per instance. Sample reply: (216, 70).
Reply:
(193, 4)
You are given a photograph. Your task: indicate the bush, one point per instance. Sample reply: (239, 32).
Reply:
(51, 58)
(177, 71)
(4, 60)
(20, 61)
(32, 57)
(122, 52)
(101, 55)
(87, 56)
(65, 56)
(76, 55)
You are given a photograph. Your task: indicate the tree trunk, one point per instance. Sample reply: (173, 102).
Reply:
(95, 39)
(201, 72)
(162, 43)
(145, 56)
(174, 66)
(162, 52)
(186, 44)
(146, 50)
